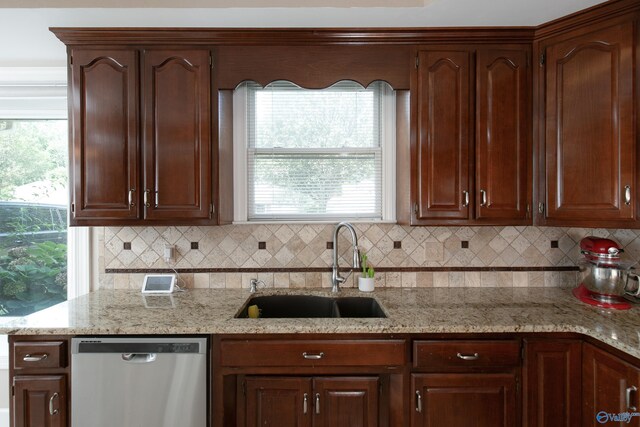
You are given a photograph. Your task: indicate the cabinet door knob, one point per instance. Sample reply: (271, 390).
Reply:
(627, 195)
(473, 356)
(483, 198)
(628, 393)
(53, 397)
(418, 402)
(465, 198)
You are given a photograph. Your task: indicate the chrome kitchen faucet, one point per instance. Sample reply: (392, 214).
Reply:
(336, 279)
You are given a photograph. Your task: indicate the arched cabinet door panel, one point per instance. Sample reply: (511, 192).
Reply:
(589, 142)
(104, 126)
(177, 134)
(441, 184)
(502, 133)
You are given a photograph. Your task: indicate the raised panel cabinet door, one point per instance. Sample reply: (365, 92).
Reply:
(176, 87)
(277, 402)
(590, 147)
(609, 386)
(462, 400)
(553, 380)
(104, 155)
(444, 112)
(502, 133)
(346, 402)
(40, 401)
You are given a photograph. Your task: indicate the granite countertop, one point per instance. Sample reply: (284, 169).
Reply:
(409, 310)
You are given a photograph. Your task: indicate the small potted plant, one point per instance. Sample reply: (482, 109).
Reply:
(366, 282)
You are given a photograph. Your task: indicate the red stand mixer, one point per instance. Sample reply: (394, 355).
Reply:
(604, 277)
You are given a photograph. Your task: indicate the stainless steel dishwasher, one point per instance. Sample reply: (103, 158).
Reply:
(139, 382)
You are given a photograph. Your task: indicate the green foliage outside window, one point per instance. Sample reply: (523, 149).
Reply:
(33, 250)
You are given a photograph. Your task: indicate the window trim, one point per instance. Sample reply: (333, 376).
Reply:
(24, 90)
(240, 172)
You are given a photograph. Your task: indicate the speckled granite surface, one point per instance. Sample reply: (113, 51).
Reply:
(409, 310)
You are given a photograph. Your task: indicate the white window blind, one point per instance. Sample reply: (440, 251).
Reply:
(314, 154)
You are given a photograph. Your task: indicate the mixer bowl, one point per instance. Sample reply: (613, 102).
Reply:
(609, 279)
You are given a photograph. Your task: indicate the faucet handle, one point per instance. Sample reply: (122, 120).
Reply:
(253, 285)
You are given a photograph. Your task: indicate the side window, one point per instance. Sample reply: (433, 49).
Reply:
(33, 228)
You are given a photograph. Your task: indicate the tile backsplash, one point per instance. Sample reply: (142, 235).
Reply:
(296, 255)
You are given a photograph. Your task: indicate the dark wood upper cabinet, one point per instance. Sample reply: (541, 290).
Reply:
(441, 178)
(470, 164)
(503, 134)
(589, 130)
(104, 134)
(609, 385)
(141, 139)
(177, 133)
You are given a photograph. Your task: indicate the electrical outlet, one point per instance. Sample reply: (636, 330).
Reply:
(169, 253)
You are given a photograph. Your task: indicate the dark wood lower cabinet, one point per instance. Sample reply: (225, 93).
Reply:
(277, 402)
(552, 383)
(304, 401)
(609, 386)
(40, 401)
(346, 402)
(465, 399)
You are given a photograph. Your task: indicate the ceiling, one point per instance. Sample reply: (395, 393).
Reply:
(26, 40)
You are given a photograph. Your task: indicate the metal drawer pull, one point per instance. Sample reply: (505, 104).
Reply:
(156, 199)
(627, 195)
(418, 402)
(628, 392)
(483, 198)
(473, 356)
(304, 403)
(35, 357)
(131, 202)
(317, 403)
(465, 199)
(313, 356)
(51, 399)
(146, 198)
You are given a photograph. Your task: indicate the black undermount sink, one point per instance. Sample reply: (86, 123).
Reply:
(309, 306)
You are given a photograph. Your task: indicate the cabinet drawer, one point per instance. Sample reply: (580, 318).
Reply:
(465, 354)
(39, 354)
(313, 353)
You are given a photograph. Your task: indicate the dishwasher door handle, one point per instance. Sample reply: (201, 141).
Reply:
(139, 357)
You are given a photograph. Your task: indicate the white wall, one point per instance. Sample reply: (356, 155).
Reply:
(28, 42)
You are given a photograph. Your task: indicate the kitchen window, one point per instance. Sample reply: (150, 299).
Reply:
(314, 154)
(42, 261)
